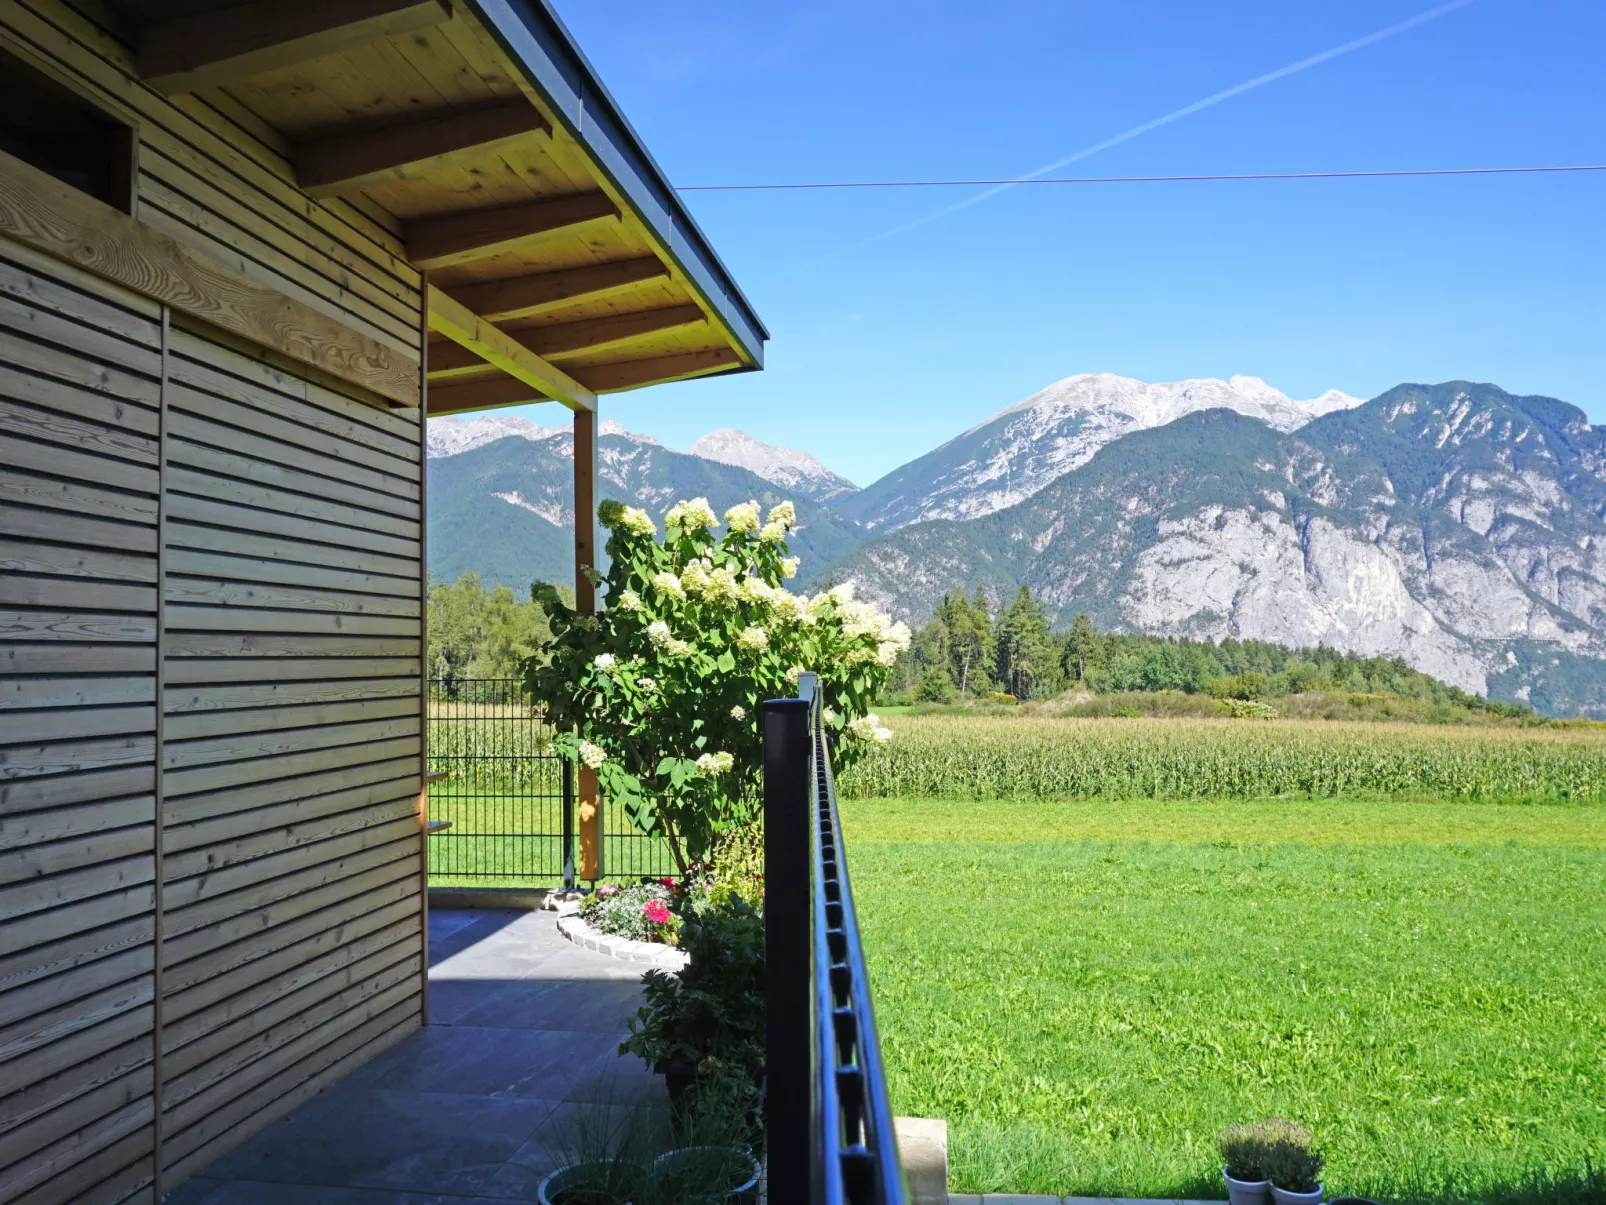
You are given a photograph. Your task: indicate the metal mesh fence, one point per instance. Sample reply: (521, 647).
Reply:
(509, 798)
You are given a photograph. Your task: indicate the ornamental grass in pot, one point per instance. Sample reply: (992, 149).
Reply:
(1293, 1165)
(603, 1150)
(716, 1129)
(1243, 1159)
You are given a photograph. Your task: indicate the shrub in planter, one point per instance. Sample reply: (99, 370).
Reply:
(1243, 1157)
(659, 694)
(603, 1150)
(710, 1014)
(1292, 1164)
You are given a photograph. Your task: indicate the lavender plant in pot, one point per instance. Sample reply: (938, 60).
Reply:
(1243, 1156)
(1294, 1166)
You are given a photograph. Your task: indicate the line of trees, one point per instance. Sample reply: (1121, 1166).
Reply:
(970, 651)
(482, 631)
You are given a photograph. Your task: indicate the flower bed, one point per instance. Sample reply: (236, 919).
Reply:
(640, 913)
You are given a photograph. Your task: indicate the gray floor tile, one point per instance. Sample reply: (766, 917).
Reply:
(538, 1064)
(600, 1005)
(371, 1138)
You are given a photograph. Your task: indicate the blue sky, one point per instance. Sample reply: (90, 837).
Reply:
(883, 347)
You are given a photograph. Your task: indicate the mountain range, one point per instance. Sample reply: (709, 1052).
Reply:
(1457, 526)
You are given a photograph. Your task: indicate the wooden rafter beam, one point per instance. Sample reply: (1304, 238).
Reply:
(450, 361)
(656, 370)
(221, 43)
(481, 395)
(461, 237)
(595, 334)
(467, 329)
(524, 296)
(347, 163)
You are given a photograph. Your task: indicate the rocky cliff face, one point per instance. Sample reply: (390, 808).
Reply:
(1020, 450)
(788, 468)
(1455, 526)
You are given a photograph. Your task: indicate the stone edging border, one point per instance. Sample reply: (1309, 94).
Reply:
(652, 953)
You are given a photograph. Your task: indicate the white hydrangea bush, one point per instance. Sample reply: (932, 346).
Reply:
(660, 693)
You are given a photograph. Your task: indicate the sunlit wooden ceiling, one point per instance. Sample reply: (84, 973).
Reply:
(562, 266)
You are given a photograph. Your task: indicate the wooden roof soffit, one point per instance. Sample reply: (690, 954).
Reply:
(595, 334)
(466, 328)
(656, 370)
(526, 296)
(461, 237)
(480, 395)
(182, 54)
(349, 162)
(41, 212)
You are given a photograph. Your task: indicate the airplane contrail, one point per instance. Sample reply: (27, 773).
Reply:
(1260, 81)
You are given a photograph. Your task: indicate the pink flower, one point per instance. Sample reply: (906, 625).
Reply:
(655, 911)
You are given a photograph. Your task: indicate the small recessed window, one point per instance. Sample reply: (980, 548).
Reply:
(48, 125)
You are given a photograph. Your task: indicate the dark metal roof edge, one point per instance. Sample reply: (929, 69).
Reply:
(534, 36)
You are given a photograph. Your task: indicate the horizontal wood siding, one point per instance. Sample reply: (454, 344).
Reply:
(80, 393)
(292, 878)
(265, 553)
(215, 184)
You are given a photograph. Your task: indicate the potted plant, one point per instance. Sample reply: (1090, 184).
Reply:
(710, 1014)
(603, 1152)
(715, 1129)
(1243, 1158)
(1293, 1165)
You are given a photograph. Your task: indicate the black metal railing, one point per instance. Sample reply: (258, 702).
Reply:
(830, 1137)
(507, 799)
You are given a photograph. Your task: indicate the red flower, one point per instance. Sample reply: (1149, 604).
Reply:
(666, 881)
(655, 911)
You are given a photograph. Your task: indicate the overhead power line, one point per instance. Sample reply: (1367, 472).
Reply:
(1430, 171)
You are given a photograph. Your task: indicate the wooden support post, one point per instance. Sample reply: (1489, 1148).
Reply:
(585, 602)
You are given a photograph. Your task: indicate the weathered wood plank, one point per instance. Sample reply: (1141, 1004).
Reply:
(45, 928)
(61, 1019)
(284, 669)
(27, 795)
(184, 780)
(53, 891)
(49, 283)
(195, 725)
(17, 590)
(186, 700)
(71, 1067)
(214, 840)
(248, 968)
(28, 522)
(19, 487)
(76, 658)
(297, 598)
(224, 644)
(40, 211)
(125, 423)
(278, 548)
(68, 757)
(51, 364)
(23, 830)
(194, 617)
(42, 996)
(190, 755)
(81, 947)
(16, 556)
(73, 1111)
(82, 466)
(74, 335)
(240, 799)
(76, 723)
(71, 625)
(78, 1168)
(205, 862)
(196, 429)
(48, 426)
(74, 853)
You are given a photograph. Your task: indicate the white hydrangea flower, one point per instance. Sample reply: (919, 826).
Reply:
(793, 674)
(789, 608)
(772, 533)
(789, 566)
(629, 600)
(593, 757)
(721, 585)
(752, 639)
(743, 517)
(738, 712)
(829, 716)
(843, 593)
(605, 662)
(694, 578)
(666, 582)
(637, 522)
(756, 590)
(678, 648)
(870, 728)
(646, 685)
(690, 516)
(783, 513)
(715, 763)
(658, 633)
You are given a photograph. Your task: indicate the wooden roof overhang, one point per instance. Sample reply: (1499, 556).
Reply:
(559, 261)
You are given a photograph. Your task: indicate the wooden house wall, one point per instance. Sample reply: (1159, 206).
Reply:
(215, 178)
(182, 519)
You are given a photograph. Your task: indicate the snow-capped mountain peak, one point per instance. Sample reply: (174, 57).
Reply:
(453, 434)
(1019, 450)
(787, 467)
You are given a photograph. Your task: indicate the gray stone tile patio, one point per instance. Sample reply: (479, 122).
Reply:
(523, 1024)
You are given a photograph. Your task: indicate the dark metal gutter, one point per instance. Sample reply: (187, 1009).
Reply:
(535, 38)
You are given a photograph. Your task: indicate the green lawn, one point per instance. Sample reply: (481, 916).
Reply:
(1089, 991)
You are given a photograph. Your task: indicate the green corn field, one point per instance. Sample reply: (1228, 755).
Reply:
(1058, 758)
